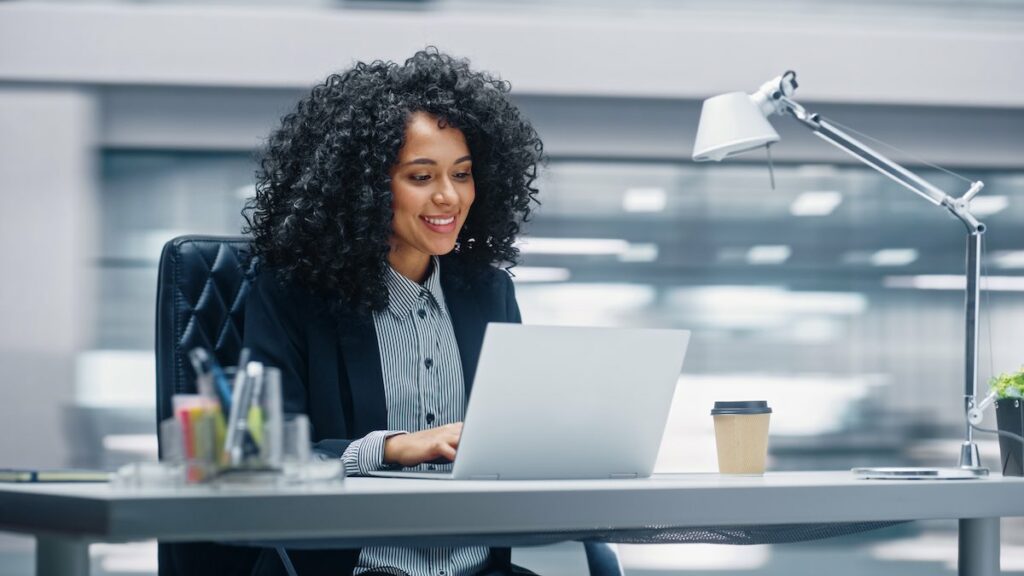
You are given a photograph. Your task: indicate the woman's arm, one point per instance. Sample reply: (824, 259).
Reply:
(276, 326)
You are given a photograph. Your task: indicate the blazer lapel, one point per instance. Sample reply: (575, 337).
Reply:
(468, 324)
(358, 340)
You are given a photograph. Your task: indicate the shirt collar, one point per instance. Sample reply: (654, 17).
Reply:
(404, 295)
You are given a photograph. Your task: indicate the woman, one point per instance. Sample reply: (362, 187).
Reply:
(383, 205)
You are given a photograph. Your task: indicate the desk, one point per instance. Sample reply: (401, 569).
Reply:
(65, 518)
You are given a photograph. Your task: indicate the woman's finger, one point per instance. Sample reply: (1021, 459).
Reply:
(448, 452)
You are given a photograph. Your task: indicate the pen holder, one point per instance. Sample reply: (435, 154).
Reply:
(254, 435)
(1010, 418)
(251, 443)
(210, 441)
(290, 462)
(191, 439)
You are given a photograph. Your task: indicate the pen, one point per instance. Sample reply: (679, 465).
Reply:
(254, 418)
(204, 363)
(232, 441)
(200, 363)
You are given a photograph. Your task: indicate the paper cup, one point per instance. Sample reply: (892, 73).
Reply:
(741, 436)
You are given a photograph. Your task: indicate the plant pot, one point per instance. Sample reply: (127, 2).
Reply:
(1010, 418)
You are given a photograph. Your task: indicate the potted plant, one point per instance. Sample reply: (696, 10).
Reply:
(1009, 389)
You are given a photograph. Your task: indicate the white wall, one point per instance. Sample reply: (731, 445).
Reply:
(47, 218)
(686, 54)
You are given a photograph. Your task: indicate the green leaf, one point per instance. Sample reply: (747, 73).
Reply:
(1009, 385)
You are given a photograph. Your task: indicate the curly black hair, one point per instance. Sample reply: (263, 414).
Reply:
(322, 213)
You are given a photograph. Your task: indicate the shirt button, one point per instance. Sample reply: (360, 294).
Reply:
(421, 313)
(430, 417)
(429, 362)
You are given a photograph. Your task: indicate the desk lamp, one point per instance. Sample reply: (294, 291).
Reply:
(737, 122)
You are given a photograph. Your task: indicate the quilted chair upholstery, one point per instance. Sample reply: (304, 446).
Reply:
(201, 293)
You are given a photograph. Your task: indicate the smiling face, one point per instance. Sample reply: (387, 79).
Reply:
(432, 186)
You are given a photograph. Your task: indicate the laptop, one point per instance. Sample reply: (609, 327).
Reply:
(557, 402)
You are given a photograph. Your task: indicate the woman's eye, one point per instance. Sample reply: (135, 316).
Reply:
(464, 175)
(421, 177)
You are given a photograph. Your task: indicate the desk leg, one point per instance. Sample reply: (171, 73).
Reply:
(61, 556)
(979, 547)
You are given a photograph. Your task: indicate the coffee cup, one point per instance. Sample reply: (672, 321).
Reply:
(741, 436)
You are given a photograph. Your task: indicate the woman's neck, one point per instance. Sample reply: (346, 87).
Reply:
(415, 267)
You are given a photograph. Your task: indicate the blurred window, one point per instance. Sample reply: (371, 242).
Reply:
(809, 294)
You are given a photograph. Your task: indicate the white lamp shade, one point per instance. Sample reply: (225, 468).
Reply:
(730, 124)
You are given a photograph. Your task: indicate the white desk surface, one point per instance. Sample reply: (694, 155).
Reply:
(361, 508)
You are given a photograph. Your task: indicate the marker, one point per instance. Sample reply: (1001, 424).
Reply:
(204, 363)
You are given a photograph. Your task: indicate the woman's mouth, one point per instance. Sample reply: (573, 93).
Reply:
(441, 224)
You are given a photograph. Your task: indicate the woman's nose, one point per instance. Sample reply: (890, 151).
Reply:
(446, 193)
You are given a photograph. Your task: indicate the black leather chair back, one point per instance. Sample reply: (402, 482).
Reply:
(200, 301)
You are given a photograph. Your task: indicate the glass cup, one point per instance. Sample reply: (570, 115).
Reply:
(295, 444)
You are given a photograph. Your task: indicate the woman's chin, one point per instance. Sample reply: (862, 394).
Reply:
(440, 249)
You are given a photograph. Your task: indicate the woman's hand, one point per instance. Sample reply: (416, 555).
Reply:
(423, 446)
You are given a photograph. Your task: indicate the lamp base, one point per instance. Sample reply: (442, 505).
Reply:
(919, 473)
(969, 455)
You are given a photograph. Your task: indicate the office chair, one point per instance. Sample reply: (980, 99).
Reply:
(201, 292)
(200, 300)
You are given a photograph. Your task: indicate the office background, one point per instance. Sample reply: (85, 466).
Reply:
(834, 296)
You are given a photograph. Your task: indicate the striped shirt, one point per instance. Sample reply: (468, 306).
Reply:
(424, 388)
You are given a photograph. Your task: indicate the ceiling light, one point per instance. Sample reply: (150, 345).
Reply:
(139, 443)
(245, 192)
(768, 254)
(857, 257)
(540, 274)
(894, 257)
(573, 246)
(817, 170)
(644, 200)
(640, 253)
(1008, 259)
(954, 282)
(815, 203)
(988, 205)
(731, 255)
(769, 299)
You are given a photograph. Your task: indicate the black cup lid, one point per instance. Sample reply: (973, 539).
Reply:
(742, 407)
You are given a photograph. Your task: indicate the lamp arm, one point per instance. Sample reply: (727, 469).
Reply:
(959, 207)
(777, 100)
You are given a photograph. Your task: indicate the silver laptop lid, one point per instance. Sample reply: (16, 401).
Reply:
(556, 402)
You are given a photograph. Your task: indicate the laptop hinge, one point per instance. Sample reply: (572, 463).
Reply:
(485, 477)
(623, 475)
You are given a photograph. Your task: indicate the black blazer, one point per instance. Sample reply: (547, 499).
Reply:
(331, 369)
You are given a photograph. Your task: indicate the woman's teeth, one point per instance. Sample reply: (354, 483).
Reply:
(440, 221)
